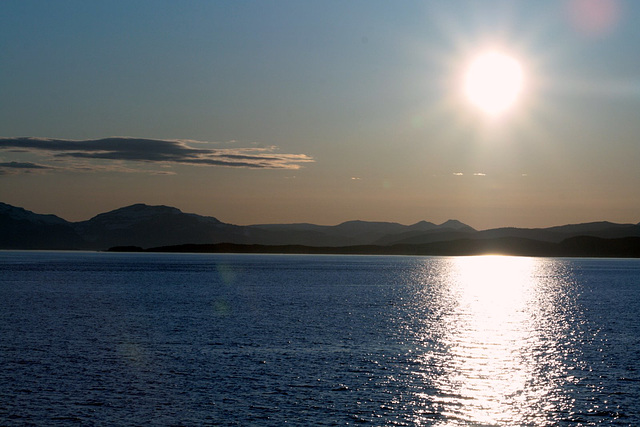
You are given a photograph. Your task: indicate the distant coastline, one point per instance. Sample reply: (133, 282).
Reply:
(582, 246)
(140, 227)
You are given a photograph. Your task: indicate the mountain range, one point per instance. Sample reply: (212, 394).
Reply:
(143, 227)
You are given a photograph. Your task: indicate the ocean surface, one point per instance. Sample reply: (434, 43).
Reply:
(182, 339)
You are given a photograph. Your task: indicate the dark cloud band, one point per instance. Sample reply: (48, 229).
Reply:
(22, 165)
(10, 168)
(154, 151)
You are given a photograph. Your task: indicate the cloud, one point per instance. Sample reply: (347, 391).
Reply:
(23, 165)
(164, 151)
(8, 168)
(475, 174)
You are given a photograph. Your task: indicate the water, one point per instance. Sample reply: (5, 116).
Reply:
(166, 339)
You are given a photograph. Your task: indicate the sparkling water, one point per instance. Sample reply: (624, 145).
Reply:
(182, 339)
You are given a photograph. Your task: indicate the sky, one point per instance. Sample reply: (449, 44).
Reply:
(320, 111)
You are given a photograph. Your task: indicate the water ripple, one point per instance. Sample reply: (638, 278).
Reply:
(304, 340)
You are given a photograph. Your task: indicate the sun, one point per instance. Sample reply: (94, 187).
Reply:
(493, 82)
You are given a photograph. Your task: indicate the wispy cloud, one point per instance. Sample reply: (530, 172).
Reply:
(23, 165)
(7, 168)
(166, 152)
(474, 174)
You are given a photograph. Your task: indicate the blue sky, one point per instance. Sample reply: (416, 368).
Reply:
(319, 111)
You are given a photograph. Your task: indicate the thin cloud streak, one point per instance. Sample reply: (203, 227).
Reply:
(10, 168)
(156, 151)
(23, 165)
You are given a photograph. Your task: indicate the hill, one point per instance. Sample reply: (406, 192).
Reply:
(143, 226)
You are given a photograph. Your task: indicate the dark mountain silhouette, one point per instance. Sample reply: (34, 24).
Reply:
(582, 246)
(142, 226)
(347, 233)
(605, 230)
(422, 237)
(153, 226)
(22, 229)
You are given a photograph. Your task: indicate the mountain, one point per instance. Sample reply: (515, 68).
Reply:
(20, 214)
(145, 226)
(347, 233)
(427, 232)
(603, 229)
(23, 229)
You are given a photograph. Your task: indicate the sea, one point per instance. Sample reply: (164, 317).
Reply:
(89, 338)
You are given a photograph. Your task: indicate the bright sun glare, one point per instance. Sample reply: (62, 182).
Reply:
(493, 82)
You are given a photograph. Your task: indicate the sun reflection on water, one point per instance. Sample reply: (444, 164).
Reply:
(499, 358)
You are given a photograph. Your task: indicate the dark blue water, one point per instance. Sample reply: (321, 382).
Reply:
(133, 339)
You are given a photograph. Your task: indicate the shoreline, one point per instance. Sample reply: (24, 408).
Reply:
(582, 246)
